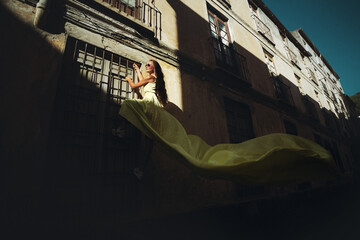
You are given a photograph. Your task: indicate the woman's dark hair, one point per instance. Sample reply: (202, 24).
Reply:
(160, 83)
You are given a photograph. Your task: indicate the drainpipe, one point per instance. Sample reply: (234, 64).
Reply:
(42, 10)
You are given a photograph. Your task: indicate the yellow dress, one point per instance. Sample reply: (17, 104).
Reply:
(270, 159)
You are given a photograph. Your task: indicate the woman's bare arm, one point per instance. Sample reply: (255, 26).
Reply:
(142, 82)
(137, 69)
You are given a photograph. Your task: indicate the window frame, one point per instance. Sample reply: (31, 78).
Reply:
(224, 52)
(270, 57)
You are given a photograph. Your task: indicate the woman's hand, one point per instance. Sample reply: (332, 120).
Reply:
(127, 78)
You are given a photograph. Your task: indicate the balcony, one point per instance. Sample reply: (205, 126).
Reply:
(325, 88)
(139, 11)
(292, 56)
(282, 91)
(262, 28)
(311, 75)
(229, 59)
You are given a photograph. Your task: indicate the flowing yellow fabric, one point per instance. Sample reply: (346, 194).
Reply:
(274, 158)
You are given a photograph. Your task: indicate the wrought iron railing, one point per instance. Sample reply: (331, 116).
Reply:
(262, 28)
(140, 10)
(282, 91)
(292, 56)
(311, 75)
(228, 58)
(325, 88)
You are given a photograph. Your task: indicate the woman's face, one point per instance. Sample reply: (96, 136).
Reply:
(149, 67)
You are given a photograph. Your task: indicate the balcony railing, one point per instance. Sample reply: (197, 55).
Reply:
(228, 58)
(139, 10)
(262, 28)
(291, 56)
(324, 87)
(282, 91)
(311, 75)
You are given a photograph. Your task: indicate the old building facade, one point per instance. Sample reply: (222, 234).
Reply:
(232, 70)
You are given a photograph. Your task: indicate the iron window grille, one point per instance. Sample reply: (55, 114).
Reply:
(91, 90)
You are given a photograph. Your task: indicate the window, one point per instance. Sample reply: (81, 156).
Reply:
(270, 63)
(312, 76)
(239, 121)
(290, 128)
(325, 89)
(298, 79)
(282, 90)
(129, 7)
(221, 40)
(318, 98)
(334, 98)
(91, 89)
(141, 11)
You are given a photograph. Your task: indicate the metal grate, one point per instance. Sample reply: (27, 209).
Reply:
(103, 70)
(91, 165)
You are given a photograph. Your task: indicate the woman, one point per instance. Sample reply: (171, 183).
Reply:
(154, 85)
(270, 159)
(154, 93)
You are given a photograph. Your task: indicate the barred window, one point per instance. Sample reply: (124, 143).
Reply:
(103, 70)
(220, 39)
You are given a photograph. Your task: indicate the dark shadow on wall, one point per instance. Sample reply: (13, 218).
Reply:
(29, 68)
(71, 185)
(52, 173)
